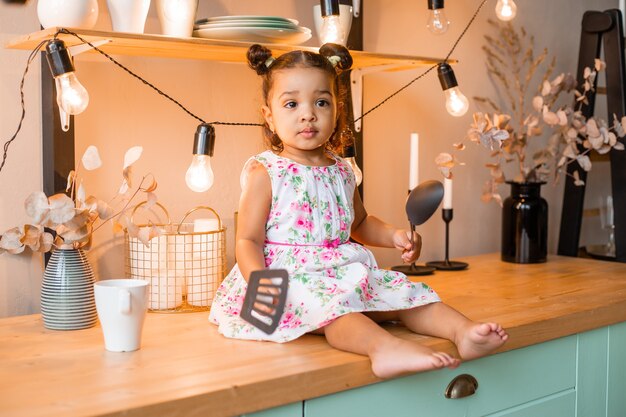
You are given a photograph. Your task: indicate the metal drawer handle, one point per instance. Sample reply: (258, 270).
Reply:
(462, 386)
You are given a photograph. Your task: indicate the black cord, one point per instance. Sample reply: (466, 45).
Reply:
(161, 92)
(32, 56)
(465, 30)
(429, 69)
(110, 58)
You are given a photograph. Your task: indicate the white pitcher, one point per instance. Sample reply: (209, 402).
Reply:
(128, 15)
(177, 16)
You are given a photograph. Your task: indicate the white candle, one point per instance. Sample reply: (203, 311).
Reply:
(447, 193)
(205, 225)
(205, 265)
(413, 161)
(166, 291)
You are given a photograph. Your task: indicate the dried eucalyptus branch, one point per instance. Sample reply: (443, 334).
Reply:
(508, 134)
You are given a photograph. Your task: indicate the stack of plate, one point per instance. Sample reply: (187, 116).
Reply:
(67, 294)
(261, 29)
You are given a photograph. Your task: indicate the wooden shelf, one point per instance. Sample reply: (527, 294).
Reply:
(205, 49)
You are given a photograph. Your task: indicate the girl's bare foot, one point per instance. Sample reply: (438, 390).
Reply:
(478, 339)
(402, 356)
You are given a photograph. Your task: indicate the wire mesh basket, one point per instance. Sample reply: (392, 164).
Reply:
(184, 264)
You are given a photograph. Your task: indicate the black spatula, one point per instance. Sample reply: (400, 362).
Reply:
(265, 298)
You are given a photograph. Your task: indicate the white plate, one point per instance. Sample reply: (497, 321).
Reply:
(249, 17)
(247, 24)
(256, 34)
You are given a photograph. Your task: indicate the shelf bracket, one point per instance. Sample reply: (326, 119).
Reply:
(356, 87)
(84, 47)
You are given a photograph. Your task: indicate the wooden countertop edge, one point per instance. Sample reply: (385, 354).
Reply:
(287, 389)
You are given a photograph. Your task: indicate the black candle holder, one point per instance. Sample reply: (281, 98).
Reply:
(413, 269)
(447, 264)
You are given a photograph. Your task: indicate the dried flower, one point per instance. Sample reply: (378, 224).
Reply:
(512, 63)
(68, 221)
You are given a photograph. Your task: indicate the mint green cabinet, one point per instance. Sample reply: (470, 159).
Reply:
(289, 410)
(582, 375)
(505, 380)
(601, 382)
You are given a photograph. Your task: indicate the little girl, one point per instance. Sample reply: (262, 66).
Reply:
(298, 210)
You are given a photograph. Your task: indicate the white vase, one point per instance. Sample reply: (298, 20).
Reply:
(128, 15)
(177, 16)
(67, 13)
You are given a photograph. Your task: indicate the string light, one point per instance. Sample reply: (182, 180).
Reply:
(145, 82)
(199, 176)
(456, 103)
(437, 22)
(331, 30)
(349, 154)
(72, 97)
(506, 10)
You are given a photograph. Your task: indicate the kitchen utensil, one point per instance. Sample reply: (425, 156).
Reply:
(421, 203)
(423, 200)
(265, 298)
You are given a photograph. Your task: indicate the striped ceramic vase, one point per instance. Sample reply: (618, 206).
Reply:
(67, 295)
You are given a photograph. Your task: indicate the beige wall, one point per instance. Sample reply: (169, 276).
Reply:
(20, 276)
(124, 113)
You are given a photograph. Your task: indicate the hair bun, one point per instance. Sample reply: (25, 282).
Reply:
(332, 49)
(257, 57)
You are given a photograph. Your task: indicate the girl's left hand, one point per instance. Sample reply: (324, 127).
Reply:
(402, 241)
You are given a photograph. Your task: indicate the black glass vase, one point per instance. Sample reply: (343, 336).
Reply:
(525, 224)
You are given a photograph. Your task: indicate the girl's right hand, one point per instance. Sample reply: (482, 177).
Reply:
(402, 241)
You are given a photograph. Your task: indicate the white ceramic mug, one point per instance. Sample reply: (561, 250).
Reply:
(128, 15)
(177, 16)
(122, 305)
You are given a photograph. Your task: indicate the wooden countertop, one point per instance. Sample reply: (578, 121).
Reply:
(186, 368)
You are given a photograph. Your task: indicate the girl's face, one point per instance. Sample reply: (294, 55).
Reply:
(302, 109)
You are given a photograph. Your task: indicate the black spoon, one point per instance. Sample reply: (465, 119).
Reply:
(421, 204)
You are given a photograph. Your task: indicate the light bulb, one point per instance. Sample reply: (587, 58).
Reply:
(332, 31)
(199, 176)
(349, 153)
(456, 103)
(437, 22)
(72, 97)
(506, 10)
(358, 174)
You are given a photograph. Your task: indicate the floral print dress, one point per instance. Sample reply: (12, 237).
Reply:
(307, 233)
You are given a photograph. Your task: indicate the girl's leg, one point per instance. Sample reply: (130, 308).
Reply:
(390, 356)
(472, 339)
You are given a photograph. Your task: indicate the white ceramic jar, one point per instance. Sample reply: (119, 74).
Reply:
(67, 13)
(128, 15)
(177, 16)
